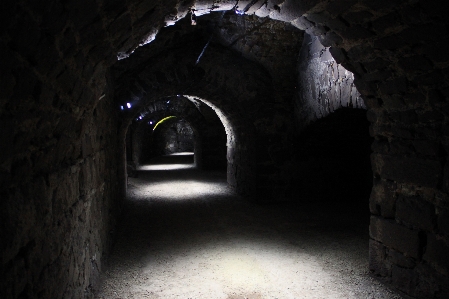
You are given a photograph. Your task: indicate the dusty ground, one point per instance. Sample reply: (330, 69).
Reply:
(185, 234)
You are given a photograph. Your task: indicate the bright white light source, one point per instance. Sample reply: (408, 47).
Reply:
(150, 123)
(239, 12)
(122, 108)
(168, 102)
(140, 117)
(128, 105)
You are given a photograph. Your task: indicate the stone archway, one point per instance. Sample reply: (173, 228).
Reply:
(57, 90)
(219, 88)
(209, 133)
(400, 79)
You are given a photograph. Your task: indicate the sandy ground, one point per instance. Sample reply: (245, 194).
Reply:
(185, 234)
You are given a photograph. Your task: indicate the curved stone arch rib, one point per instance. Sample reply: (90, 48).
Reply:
(229, 129)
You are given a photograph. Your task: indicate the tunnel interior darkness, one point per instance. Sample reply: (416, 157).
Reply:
(208, 242)
(257, 81)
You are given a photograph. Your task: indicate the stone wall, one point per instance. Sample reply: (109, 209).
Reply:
(174, 138)
(59, 155)
(323, 85)
(208, 136)
(54, 57)
(59, 197)
(271, 43)
(216, 82)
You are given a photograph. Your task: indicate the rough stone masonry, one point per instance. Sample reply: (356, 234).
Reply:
(68, 66)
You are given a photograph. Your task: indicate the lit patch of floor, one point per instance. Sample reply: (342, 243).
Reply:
(185, 234)
(166, 167)
(182, 154)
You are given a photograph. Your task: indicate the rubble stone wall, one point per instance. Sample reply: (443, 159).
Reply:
(59, 133)
(323, 85)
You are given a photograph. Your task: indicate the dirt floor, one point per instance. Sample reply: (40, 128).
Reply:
(185, 234)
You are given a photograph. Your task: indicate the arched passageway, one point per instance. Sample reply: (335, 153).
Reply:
(185, 233)
(62, 159)
(174, 136)
(206, 130)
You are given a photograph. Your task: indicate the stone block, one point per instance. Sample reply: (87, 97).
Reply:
(367, 89)
(7, 129)
(377, 259)
(26, 36)
(302, 23)
(81, 12)
(404, 279)
(380, 146)
(319, 18)
(430, 116)
(394, 86)
(291, 10)
(443, 221)
(430, 283)
(446, 177)
(433, 50)
(428, 132)
(330, 39)
(338, 54)
(400, 147)
(395, 236)
(383, 198)
(437, 252)
(355, 32)
(358, 17)
(426, 147)
(381, 4)
(384, 24)
(120, 23)
(393, 102)
(414, 98)
(415, 63)
(376, 64)
(406, 117)
(422, 33)
(388, 43)
(358, 53)
(411, 14)
(399, 259)
(377, 75)
(416, 211)
(340, 7)
(317, 30)
(434, 78)
(423, 172)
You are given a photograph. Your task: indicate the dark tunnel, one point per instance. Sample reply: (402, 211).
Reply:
(224, 149)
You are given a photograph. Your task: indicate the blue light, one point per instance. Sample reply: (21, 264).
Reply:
(128, 105)
(140, 117)
(122, 108)
(150, 123)
(168, 102)
(239, 12)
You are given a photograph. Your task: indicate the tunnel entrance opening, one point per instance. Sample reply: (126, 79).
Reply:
(333, 166)
(334, 153)
(186, 233)
(206, 242)
(175, 124)
(171, 136)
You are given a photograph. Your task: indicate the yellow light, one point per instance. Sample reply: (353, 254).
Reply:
(162, 120)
